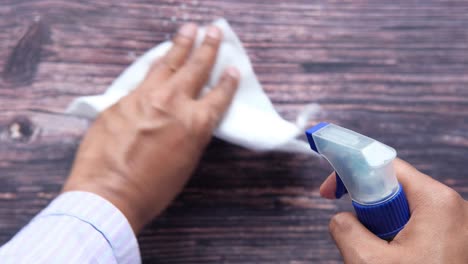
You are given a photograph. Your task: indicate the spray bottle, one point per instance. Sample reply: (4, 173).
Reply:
(364, 167)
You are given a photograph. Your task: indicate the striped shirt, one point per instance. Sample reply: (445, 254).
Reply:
(77, 227)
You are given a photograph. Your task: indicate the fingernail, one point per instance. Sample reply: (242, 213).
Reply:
(188, 30)
(213, 32)
(233, 72)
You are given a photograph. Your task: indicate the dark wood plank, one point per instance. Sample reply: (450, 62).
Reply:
(394, 70)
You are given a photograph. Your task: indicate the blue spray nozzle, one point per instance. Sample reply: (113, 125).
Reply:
(340, 188)
(365, 169)
(311, 131)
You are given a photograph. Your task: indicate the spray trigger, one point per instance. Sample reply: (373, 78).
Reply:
(340, 188)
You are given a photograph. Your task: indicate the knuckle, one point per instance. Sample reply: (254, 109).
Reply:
(449, 199)
(169, 62)
(206, 121)
(161, 101)
(199, 61)
(338, 223)
(215, 105)
(333, 225)
(182, 41)
(211, 43)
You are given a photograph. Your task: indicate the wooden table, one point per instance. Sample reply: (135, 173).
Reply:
(393, 70)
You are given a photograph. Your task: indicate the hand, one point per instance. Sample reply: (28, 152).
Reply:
(140, 152)
(437, 231)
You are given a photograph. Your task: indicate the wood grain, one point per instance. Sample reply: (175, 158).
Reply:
(395, 70)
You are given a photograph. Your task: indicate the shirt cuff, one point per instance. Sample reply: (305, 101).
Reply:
(103, 216)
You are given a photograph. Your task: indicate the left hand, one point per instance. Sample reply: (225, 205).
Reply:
(140, 152)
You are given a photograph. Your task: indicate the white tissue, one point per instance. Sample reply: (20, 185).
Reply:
(250, 122)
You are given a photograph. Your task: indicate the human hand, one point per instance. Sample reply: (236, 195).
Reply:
(437, 231)
(140, 152)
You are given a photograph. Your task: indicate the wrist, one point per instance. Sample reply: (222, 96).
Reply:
(121, 195)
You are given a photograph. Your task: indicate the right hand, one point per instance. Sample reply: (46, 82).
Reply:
(437, 231)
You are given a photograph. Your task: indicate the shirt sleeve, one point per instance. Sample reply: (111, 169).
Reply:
(77, 227)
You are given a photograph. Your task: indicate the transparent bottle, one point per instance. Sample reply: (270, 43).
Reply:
(365, 166)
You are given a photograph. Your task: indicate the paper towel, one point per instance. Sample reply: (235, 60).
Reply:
(251, 121)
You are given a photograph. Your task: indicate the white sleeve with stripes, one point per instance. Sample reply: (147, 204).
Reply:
(77, 227)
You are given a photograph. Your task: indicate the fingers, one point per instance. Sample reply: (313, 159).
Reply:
(353, 240)
(218, 100)
(416, 184)
(166, 66)
(194, 74)
(328, 187)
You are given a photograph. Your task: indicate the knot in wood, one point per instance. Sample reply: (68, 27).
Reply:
(21, 128)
